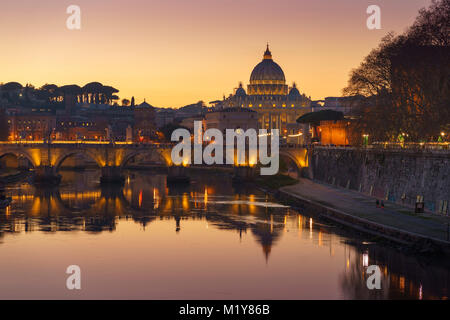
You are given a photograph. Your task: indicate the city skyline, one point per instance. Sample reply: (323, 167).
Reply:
(220, 151)
(200, 51)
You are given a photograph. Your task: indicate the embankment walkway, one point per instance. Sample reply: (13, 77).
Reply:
(395, 222)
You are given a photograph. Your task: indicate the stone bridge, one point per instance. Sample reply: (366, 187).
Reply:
(46, 158)
(299, 155)
(111, 157)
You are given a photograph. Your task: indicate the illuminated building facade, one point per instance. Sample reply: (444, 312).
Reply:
(144, 123)
(231, 118)
(278, 106)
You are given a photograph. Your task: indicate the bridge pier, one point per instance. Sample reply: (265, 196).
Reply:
(23, 164)
(46, 175)
(177, 174)
(243, 173)
(112, 174)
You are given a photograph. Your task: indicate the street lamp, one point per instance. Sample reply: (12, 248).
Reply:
(365, 139)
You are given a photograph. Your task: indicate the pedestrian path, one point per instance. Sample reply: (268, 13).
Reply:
(364, 206)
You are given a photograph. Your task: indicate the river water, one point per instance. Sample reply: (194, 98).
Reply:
(208, 240)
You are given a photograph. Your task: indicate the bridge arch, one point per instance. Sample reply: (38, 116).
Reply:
(163, 155)
(298, 156)
(18, 155)
(85, 153)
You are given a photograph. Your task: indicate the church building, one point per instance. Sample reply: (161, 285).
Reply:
(278, 106)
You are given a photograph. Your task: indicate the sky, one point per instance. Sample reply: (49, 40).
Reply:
(177, 52)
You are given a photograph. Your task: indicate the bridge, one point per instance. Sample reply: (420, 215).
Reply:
(298, 154)
(111, 157)
(46, 157)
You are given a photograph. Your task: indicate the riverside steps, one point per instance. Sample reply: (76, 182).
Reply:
(426, 232)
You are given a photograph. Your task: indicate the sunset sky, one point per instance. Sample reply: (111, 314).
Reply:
(177, 52)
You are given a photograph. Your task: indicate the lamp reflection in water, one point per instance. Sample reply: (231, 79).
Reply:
(366, 259)
(155, 198)
(300, 225)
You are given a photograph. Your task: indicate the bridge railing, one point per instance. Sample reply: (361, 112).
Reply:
(85, 143)
(410, 148)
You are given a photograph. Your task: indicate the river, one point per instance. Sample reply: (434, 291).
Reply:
(208, 240)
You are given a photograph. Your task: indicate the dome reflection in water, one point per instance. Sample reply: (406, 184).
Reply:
(207, 240)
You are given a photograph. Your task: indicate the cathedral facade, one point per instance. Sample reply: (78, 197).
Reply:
(278, 105)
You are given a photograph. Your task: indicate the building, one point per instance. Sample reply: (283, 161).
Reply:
(164, 117)
(35, 125)
(278, 106)
(346, 105)
(336, 133)
(231, 118)
(144, 123)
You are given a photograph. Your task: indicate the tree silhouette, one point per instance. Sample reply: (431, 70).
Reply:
(406, 81)
(125, 102)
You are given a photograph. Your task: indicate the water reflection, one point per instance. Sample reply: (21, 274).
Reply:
(302, 256)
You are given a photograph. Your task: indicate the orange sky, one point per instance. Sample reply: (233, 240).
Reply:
(176, 52)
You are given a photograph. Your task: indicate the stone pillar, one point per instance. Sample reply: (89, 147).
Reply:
(46, 175)
(23, 164)
(243, 173)
(177, 174)
(311, 163)
(112, 174)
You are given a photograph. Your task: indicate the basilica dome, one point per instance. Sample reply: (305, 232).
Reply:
(267, 70)
(267, 78)
(294, 93)
(240, 92)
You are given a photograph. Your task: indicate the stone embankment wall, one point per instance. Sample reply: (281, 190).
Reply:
(395, 175)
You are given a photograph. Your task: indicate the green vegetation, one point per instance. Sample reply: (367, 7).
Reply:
(275, 182)
(51, 95)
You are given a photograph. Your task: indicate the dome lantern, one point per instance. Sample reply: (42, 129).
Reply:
(267, 77)
(267, 54)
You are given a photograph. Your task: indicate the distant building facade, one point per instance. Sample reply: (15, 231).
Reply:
(336, 133)
(144, 123)
(231, 118)
(346, 105)
(277, 105)
(73, 113)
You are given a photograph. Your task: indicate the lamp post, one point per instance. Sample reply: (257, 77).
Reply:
(365, 140)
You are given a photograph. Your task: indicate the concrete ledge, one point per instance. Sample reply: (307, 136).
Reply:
(420, 242)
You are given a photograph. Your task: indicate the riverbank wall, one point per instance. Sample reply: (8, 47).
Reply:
(399, 176)
(417, 242)
(14, 177)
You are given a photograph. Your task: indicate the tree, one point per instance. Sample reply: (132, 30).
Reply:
(405, 81)
(168, 129)
(4, 128)
(92, 92)
(125, 102)
(132, 101)
(11, 92)
(109, 94)
(48, 93)
(432, 26)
